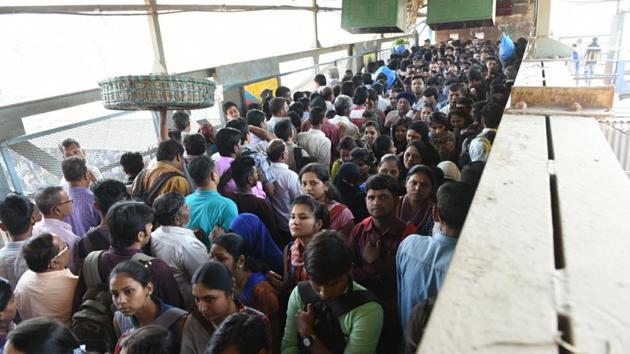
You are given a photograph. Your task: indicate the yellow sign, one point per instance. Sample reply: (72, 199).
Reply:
(368, 58)
(252, 91)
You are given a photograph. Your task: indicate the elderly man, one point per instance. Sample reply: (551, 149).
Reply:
(404, 101)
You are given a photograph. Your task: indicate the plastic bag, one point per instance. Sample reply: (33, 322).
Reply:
(506, 49)
(391, 75)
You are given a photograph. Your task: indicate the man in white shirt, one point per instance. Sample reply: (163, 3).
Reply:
(70, 147)
(343, 106)
(287, 185)
(177, 245)
(279, 108)
(314, 141)
(383, 101)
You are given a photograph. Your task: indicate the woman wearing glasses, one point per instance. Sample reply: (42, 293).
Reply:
(47, 288)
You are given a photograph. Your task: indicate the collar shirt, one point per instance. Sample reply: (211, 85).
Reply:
(286, 189)
(59, 228)
(12, 264)
(421, 265)
(46, 294)
(83, 216)
(183, 252)
(316, 144)
(271, 123)
(380, 276)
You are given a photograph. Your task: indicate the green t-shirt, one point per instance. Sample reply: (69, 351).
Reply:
(209, 209)
(362, 326)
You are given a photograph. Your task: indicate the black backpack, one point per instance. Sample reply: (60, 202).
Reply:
(148, 196)
(327, 314)
(93, 322)
(417, 323)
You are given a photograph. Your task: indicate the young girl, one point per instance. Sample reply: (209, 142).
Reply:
(132, 292)
(443, 139)
(316, 182)
(399, 133)
(308, 217)
(252, 287)
(370, 133)
(347, 184)
(383, 145)
(213, 290)
(363, 158)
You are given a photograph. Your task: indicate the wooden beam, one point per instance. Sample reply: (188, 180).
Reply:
(594, 97)
(498, 295)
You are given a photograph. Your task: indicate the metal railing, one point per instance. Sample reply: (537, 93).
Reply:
(32, 161)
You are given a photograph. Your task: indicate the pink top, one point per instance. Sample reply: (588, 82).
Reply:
(222, 164)
(341, 217)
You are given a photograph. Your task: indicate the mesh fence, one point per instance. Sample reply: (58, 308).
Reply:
(38, 161)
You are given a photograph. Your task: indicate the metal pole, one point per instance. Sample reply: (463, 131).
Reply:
(156, 34)
(543, 13)
(8, 162)
(4, 184)
(155, 118)
(317, 44)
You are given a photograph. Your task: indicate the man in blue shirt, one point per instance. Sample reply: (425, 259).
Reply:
(209, 210)
(422, 261)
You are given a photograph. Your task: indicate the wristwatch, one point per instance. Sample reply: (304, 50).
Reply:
(308, 341)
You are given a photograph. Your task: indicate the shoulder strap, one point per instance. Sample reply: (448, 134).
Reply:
(141, 257)
(168, 317)
(225, 179)
(307, 294)
(90, 270)
(158, 184)
(350, 301)
(139, 181)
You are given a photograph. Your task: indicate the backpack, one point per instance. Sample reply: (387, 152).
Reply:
(93, 322)
(297, 157)
(417, 324)
(148, 196)
(327, 327)
(167, 319)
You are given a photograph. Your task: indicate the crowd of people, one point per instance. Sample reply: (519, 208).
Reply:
(315, 222)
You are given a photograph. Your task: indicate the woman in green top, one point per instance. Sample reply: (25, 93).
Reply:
(328, 262)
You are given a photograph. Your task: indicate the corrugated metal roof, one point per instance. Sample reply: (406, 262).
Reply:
(617, 132)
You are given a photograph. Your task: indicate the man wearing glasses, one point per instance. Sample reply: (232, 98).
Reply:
(55, 205)
(47, 288)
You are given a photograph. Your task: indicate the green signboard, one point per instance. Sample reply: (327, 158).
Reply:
(453, 14)
(373, 16)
